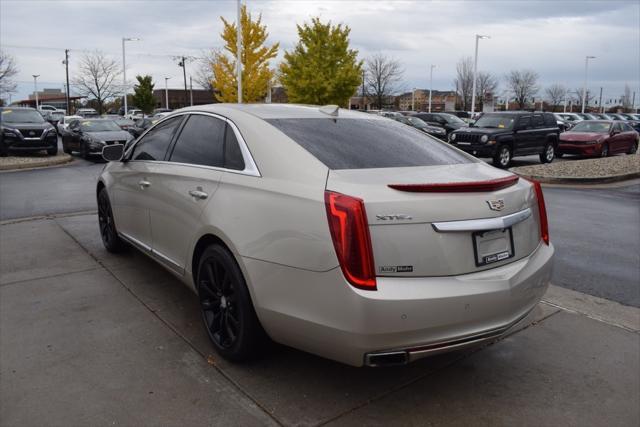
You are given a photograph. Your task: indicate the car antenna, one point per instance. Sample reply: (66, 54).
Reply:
(331, 110)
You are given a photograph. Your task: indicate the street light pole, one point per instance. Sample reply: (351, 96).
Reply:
(191, 91)
(584, 88)
(35, 87)
(239, 52)
(166, 93)
(430, 84)
(475, 72)
(66, 65)
(124, 70)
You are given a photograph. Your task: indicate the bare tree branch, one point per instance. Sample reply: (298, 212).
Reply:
(486, 83)
(556, 94)
(8, 70)
(523, 84)
(464, 81)
(383, 76)
(204, 71)
(96, 78)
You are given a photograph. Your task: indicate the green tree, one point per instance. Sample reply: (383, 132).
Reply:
(321, 69)
(255, 57)
(143, 94)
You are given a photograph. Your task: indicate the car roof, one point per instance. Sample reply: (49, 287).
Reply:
(280, 111)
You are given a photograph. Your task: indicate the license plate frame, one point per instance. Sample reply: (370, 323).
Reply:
(503, 249)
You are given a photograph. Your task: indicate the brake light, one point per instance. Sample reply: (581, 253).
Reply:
(350, 234)
(458, 187)
(542, 210)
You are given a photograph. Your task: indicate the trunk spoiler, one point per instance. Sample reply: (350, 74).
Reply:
(458, 187)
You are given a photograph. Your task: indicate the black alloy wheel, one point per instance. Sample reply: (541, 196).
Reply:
(604, 152)
(548, 154)
(227, 311)
(108, 232)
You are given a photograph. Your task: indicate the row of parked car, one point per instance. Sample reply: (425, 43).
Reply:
(502, 136)
(85, 132)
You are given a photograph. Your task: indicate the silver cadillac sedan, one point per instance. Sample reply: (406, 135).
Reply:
(343, 234)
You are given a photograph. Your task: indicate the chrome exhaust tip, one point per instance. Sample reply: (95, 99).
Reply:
(395, 358)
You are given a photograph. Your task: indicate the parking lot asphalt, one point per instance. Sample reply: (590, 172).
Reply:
(88, 337)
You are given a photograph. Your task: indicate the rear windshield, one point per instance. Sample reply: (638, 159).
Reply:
(365, 143)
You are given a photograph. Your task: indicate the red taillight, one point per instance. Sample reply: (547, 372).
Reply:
(542, 210)
(458, 187)
(350, 233)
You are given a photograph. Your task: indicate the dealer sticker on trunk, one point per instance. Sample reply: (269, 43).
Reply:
(396, 269)
(496, 257)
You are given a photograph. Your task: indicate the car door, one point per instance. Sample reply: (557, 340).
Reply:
(522, 135)
(630, 136)
(184, 185)
(133, 182)
(617, 139)
(538, 134)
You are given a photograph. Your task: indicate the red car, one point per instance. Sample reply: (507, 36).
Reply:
(598, 138)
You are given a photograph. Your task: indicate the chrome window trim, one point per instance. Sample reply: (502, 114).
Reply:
(483, 224)
(250, 167)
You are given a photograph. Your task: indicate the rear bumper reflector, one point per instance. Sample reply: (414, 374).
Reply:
(458, 187)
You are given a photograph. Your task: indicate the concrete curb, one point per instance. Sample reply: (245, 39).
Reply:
(40, 163)
(579, 180)
(610, 312)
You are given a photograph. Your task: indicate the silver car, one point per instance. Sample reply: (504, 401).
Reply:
(343, 234)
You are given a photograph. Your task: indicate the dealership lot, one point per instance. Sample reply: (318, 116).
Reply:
(95, 337)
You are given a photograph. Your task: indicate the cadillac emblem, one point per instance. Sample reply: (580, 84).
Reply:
(496, 205)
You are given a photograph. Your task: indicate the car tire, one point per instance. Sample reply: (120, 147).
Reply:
(66, 149)
(548, 153)
(633, 149)
(604, 151)
(502, 157)
(4, 151)
(225, 304)
(52, 151)
(110, 239)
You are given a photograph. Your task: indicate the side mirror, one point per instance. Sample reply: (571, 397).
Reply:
(113, 153)
(615, 132)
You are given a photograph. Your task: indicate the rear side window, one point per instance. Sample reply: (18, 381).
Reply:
(232, 154)
(153, 146)
(538, 121)
(200, 142)
(524, 122)
(367, 143)
(550, 120)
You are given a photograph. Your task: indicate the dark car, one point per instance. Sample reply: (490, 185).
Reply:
(24, 129)
(140, 125)
(599, 138)
(419, 124)
(88, 136)
(503, 136)
(124, 123)
(447, 121)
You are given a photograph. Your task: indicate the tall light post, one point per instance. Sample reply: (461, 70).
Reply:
(430, 84)
(475, 73)
(413, 99)
(584, 88)
(166, 93)
(239, 52)
(35, 87)
(124, 69)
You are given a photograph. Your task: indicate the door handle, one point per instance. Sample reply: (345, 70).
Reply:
(144, 184)
(197, 194)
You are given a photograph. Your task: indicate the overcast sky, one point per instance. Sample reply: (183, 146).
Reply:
(550, 37)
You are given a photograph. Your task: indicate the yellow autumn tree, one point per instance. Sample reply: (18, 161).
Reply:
(255, 57)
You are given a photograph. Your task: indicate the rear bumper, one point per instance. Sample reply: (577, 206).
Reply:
(580, 149)
(320, 313)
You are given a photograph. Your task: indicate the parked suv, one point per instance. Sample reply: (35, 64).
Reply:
(503, 136)
(24, 129)
(447, 121)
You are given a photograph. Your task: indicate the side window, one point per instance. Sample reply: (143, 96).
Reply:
(617, 127)
(201, 142)
(232, 154)
(538, 121)
(153, 146)
(626, 127)
(524, 122)
(550, 120)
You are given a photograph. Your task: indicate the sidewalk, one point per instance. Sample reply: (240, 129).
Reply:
(87, 337)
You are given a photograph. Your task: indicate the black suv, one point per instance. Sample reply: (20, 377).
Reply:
(25, 129)
(503, 136)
